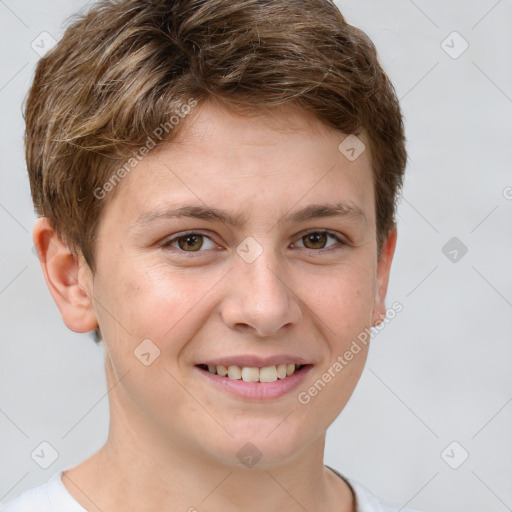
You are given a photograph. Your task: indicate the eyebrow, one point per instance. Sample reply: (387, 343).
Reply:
(347, 210)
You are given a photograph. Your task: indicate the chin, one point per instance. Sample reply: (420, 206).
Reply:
(263, 444)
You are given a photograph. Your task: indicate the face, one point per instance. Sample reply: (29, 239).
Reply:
(257, 272)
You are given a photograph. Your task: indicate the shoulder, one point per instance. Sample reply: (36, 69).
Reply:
(367, 502)
(51, 496)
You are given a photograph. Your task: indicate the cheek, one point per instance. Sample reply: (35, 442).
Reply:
(343, 301)
(152, 302)
(344, 305)
(148, 304)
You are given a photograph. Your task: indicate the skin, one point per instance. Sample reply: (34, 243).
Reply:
(173, 439)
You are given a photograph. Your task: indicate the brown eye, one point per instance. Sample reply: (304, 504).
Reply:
(318, 240)
(190, 242)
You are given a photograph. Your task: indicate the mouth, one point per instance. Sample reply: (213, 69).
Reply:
(254, 383)
(253, 374)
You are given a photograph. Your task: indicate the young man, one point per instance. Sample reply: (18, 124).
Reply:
(216, 184)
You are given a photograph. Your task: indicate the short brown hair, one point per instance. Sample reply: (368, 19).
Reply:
(121, 71)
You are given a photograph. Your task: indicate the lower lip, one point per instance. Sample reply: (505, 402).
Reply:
(257, 390)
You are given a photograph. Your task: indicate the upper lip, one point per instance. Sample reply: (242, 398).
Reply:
(254, 361)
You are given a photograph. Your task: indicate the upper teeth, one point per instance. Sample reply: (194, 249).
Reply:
(253, 374)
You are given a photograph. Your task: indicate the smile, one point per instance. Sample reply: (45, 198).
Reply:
(260, 383)
(253, 374)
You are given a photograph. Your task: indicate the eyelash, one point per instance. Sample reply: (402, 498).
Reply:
(166, 244)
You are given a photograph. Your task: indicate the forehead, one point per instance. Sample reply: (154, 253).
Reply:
(266, 164)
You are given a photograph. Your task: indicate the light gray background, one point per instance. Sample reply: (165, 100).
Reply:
(439, 372)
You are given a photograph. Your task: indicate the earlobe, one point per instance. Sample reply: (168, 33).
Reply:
(69, 283)
(383, 271)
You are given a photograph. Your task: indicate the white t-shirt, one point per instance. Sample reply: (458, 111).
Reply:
(54, 497)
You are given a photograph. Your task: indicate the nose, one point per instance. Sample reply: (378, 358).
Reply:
(260, 297)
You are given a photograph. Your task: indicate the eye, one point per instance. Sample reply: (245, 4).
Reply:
(188, 242)
(317, 239)
(194, 241)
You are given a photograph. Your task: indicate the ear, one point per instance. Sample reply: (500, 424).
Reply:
(383, 270)
(67, 276)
